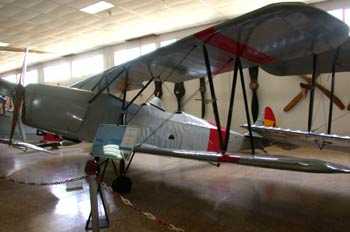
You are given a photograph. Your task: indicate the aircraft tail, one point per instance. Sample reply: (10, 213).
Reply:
(266, 118)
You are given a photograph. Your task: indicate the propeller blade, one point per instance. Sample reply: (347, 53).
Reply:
(18, 97)
(253, 73)
(298, 97)
(179, 91)
(158, 91)
(293, 102)
(337, 101)
(18, 103)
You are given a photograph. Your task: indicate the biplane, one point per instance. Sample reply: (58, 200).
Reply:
(281, 38)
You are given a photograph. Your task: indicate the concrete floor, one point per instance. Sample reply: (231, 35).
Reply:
(191, 195)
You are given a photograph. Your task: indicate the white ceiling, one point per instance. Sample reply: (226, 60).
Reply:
(60, 27)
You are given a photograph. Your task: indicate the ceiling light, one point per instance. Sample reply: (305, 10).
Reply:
(97, 7)
(2, 44)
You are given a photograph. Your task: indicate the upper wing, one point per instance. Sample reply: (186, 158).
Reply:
(274, 33)
(303, 138)
(7, 88)
(266, 161)
(303, 65)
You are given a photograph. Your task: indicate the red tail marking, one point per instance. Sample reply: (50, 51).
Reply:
(269, 119)
(212, 37)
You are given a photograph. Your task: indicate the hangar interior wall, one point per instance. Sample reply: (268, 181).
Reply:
(273, 91)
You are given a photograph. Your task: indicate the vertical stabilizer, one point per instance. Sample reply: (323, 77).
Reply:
(269, 118)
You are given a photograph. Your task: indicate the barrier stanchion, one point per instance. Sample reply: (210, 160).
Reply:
(90, 170)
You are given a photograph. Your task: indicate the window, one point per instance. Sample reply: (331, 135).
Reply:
(342, 14)
(11, 78)
(88, 66)
(148, 48)
(167, 42)
(31, 77)
(337, 13)
(56, 73)
(347, 16)
(125, 55)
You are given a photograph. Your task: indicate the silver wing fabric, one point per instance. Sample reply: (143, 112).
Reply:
(265, 161)
(273, 34)
(303, 138)
(303, 65)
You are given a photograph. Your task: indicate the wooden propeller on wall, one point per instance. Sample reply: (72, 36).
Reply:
(253, 74)
(324, 90)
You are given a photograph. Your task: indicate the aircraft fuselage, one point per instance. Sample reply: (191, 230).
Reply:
(67, 112)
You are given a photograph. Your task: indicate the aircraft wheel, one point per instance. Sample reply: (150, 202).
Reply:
(122, 184)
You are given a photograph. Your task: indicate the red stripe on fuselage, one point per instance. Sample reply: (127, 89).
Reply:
(212, 37)
(214, 143)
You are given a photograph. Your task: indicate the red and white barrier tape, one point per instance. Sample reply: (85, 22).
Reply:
(104, 185)
(139, 209)
(42, 183)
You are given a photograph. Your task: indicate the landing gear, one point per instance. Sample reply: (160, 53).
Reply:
(122, 184)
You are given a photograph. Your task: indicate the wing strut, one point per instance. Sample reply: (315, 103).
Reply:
(213, 96)
(105, 87)
(246, 106)
(124, 97)
(232, 99)
(312, 92)
(238, 68)
(138, 94)
(330, 116)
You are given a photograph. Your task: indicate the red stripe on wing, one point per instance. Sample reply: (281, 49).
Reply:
(212, 37)
(228, 159)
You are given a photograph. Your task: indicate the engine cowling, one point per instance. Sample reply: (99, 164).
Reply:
(55, 109)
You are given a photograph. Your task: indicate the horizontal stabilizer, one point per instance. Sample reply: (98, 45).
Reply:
(265, 161)
(303, 138)
(293, 164)
(26, 146)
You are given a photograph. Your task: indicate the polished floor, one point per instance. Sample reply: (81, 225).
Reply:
(191, 195)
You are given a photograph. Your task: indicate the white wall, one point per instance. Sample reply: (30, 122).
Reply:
(273, 91)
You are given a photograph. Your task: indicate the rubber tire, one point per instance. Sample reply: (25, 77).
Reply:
(122, 184)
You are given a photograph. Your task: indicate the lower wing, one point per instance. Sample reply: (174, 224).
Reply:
(266, 161)
(289, 137)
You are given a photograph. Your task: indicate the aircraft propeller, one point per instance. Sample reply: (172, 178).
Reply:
(158, 91)
(253, 73)
(179, 91)
(300, 95)
(19, 94)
